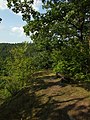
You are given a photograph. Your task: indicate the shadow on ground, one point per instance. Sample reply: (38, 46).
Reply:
(43, 82)
(48, 100)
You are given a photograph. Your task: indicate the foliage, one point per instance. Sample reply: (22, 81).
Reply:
(19, 68)
(0, 20)
(64, 27)
(16, 69)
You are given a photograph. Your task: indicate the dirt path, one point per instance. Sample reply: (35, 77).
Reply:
(49, 101)
(63, 101)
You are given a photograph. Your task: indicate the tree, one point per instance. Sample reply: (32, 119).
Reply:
(16, 67)
(19, 69)
(64, 25)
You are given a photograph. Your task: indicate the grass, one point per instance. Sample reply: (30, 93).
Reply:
(48, 100)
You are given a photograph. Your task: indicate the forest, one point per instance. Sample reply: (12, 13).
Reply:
(60, 44)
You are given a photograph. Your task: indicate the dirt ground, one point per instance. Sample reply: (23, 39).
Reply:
(48, 100)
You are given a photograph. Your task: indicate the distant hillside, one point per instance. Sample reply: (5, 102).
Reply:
(48, 100)
(5, 50)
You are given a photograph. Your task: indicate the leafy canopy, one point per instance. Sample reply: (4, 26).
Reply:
(64, 27)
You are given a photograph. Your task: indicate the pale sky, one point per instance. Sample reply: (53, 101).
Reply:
(11, 27)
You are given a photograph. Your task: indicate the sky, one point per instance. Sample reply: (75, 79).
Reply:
(11, 27)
